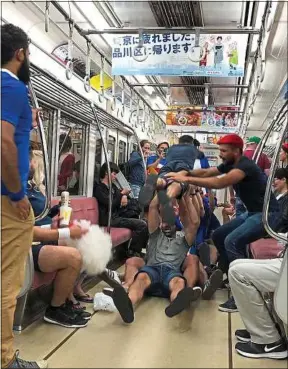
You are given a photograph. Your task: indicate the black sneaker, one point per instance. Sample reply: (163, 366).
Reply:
(243, 335)
(212, 284)
(229, 306)
(277, 350)
(63, 316)
(74, 308)
(20, 363)
(225, 285)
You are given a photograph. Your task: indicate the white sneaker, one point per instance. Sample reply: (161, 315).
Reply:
(113, 275)
(104, 303)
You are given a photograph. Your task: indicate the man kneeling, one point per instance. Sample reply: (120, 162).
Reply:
(161, 276)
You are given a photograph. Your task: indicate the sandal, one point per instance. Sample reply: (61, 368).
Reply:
(168, 214)
(147, 191)
(84, 298)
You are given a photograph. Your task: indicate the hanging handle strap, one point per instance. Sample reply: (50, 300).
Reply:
(69, 65)
(47, 10)
(101, 96)
(87, 85)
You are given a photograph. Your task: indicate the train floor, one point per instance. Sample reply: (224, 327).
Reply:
(202, 337)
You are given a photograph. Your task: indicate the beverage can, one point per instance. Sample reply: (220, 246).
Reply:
(65, 198)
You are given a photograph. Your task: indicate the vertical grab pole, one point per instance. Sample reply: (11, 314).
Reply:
(108, 167)
(45, 156)
(269, 187)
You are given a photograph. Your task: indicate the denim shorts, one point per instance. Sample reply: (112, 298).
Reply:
(160, 276)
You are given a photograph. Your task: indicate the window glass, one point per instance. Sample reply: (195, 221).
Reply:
(122, 152)
(71, 156)
(111, 147)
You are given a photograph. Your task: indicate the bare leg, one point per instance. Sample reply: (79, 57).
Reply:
(138, 287)
(66, 261)
(124, 302)
(203, 277)
(191, 270)
(176, 285)
(131, 269)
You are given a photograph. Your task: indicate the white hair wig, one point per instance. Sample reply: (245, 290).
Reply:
(95, 248)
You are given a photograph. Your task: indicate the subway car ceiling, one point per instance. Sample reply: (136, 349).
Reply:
(142, 101)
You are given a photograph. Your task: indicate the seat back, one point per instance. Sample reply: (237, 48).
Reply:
(83, 208)
(280, 295)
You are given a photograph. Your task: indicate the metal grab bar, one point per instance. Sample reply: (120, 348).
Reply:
(45, 156)
(108, 166)
(264, 138)
(269, 187)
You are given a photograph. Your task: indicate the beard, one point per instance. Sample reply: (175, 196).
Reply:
(24, 72)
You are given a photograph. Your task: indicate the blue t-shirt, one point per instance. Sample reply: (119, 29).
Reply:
(151, 159)
(15, 109)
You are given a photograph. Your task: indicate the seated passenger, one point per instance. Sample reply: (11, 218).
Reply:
(281, 188)
(49, 257)
(120, 200)
(156, 162)
(248, 280)
(284, 155)
(180, 158)
(162, 276)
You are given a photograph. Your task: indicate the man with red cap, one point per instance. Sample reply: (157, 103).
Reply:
(284, 155)
(249, 183)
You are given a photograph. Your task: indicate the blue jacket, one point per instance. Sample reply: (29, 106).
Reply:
(137, 170)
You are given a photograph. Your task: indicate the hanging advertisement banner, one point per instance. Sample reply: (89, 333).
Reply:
(222, 119)
(168, 54)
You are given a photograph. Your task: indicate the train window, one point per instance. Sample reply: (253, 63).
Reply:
(36, 145)
(98, 153)
(135, 147)
(122, 152)
(111, 148)
(71, 157)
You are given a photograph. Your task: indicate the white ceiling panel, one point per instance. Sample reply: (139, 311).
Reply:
(221, 13)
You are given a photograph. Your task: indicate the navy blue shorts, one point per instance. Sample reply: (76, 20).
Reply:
(174, 166)
(36, 251)
(160, 276)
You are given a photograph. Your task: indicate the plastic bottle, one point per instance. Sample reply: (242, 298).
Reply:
(65, 210)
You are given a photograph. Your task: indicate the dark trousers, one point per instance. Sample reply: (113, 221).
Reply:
(138, 227)
(231, 239)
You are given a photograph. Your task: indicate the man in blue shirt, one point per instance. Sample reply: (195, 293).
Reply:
(16, 212)
(156, 162)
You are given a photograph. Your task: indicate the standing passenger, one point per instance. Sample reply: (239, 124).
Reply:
(16, 212)
(137, 169)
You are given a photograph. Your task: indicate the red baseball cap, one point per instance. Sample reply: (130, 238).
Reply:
(231, 139)
(285, 147)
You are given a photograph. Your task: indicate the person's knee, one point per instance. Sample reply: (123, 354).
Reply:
(75, 259)
(135, 262)
(191, 261)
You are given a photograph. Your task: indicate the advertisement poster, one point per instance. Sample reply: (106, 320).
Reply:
(168, 54)
(224, 118)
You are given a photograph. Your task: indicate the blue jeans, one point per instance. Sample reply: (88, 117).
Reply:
(135, 190)
(239, 207)
(231, 238)
(160, 276)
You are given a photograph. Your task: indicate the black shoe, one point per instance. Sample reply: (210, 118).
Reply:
(63, 316)
(168, 214)
(277, 350)
(212, 284)
(229, 306)
(204, 254)
(123, 304)
(20, 363)
(78, 310)
(183, 300)
(225, 285)
(147, 191)
(243, 335)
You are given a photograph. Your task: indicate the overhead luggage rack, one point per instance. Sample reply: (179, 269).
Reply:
(56, 93)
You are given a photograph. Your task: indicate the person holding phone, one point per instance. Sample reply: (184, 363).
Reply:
(156, 162)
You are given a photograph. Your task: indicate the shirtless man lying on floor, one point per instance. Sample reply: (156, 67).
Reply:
(162, 276)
